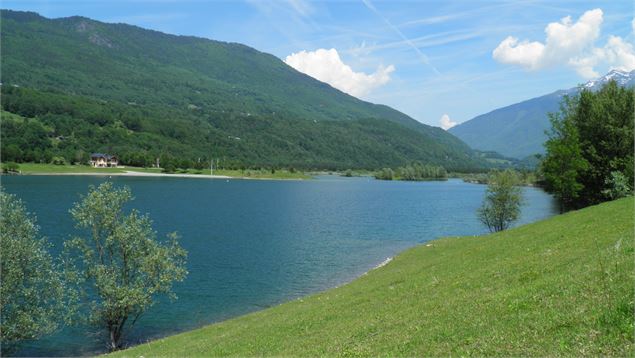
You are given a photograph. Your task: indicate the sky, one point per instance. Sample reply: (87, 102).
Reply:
(441, 62)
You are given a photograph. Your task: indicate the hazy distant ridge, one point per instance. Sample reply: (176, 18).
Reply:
(518, 130)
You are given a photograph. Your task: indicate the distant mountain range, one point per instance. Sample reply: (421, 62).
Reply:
(120, 89)
(518, 130)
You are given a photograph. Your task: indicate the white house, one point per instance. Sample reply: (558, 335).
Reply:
(99, 160)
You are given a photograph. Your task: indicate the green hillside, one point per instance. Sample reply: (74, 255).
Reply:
(563, 286)
(516, 131)
(123, 89)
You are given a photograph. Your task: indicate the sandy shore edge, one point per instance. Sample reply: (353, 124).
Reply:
(139, 174)
(130, 173)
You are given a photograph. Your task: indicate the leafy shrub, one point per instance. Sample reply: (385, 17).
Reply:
(10, 167)
(617, 186)
(58, 161)
(385, 174)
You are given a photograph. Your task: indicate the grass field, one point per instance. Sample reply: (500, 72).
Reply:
(33, 168)
(563, 286)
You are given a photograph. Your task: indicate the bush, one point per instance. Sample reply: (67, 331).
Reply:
(385, 174)
(169, 167)
(617, 186)
(58, 161)
(10, 167)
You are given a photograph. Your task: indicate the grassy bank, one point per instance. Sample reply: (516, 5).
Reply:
(34, 168)
(563, 286)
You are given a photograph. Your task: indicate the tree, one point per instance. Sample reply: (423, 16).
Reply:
(32, 290)
(604, 120)
(591, 141)
(11, 152)
(385, 174)
(502, 202)
(118, 263)
(80, 157)
(563, 165)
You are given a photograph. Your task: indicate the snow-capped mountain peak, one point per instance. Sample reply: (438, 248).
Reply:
(623, 78)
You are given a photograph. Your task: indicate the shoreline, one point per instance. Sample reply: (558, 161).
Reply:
(145, 174)
(383, 263)
(380, 265)
(131, 173)
(390, 301)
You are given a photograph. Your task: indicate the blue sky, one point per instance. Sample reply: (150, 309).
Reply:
(429, 59)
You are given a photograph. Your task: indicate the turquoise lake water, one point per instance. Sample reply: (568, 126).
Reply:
(257, 243)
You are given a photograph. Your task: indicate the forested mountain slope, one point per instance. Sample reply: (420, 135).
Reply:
(93, 86)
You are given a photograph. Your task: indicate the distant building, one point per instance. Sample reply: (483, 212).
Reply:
(99, 160)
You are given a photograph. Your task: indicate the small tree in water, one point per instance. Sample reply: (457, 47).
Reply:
(502, 202)
(119, 261)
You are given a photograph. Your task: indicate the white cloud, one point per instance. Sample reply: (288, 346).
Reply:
(617, 54)
(564, 40)
(526, 54)
(326, 66)
(569, 43)
(446, 122)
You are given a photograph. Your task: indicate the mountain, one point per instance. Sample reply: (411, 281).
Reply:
(519, 130)
(625, 79)
(140, 93)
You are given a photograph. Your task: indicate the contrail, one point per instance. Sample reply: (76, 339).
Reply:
(422, 56)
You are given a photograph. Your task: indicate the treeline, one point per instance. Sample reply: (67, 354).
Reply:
(589, 155)
(413, 172)
(523, 177)
(39, 126)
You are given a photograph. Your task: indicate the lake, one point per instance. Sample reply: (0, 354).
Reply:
(256, 243)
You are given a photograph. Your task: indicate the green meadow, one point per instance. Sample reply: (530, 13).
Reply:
(562, 286)
(34, 168)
